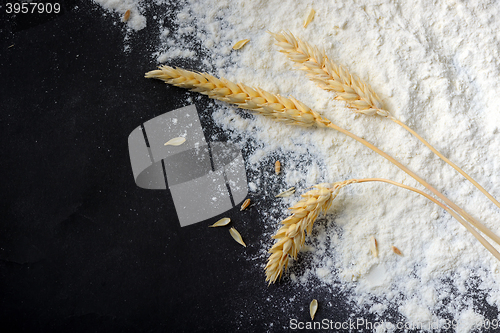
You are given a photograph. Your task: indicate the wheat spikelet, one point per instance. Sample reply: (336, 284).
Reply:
(287, 110)
(291, 235)
(330, 76)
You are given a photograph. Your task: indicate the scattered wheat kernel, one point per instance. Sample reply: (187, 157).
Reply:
(175, 141)
(309, 18)
(396, 250)
(373, 246)
(313, 307)
(240, 44)
(245, 204)
(277, 167)
(126, 16)
(237, 237)
(222, 222)
(286, 193)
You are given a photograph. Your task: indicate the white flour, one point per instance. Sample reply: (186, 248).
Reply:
(436, 67)
(136, 20)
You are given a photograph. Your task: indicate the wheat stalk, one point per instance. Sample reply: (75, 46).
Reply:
(288, 110)
(291, 236)
(358, 94)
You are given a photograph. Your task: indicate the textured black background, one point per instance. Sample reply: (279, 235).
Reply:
(82, 248)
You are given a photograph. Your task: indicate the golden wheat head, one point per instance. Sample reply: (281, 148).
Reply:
(288, 110)
(329, 75)
(291, 236)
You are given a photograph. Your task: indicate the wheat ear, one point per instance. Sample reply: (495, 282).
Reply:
(359, 95)
(289, 110)
(291, 236)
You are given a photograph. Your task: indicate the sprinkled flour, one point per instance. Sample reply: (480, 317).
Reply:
(436, 67)
(136, 21)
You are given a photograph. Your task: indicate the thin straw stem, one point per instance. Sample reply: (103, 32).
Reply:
(450, 203)
(473, 231)
(441, 156)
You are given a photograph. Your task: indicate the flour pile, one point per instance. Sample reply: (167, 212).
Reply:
(436, 67)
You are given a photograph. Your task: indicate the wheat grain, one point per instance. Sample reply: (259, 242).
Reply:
(286, 193)
(222, 222)
(373, 246)
(313, 307)
(277, 167)
(175, 141)
(236, 236)
(126, 16)
(309, 17)
(240, 44)
(396, 250)
(245, 204)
